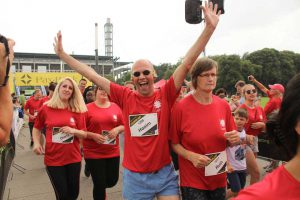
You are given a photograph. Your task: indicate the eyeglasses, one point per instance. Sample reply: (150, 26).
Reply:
(145, 72)
(251, 91)
(213, 75)
(4, 41)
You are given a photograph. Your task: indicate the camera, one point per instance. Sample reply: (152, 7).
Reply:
(193, 12)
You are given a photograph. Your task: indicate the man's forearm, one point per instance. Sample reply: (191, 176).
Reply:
(6, 113)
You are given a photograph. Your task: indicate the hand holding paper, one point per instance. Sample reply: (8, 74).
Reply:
(198, 160)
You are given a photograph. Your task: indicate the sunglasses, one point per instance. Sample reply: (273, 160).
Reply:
(251, 91)
(4, 41)
(145, 72)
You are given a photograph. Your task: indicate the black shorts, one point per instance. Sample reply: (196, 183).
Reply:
(237, 180)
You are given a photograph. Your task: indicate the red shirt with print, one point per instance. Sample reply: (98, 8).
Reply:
(149, 153)
(57, 154)
(200, 128)
(33, 107)
(98, 120)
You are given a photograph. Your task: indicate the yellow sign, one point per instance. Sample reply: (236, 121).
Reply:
(38, 79)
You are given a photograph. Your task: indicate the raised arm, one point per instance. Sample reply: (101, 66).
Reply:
(258, 84)
(211, 21)
(81, 68)
(6, 106)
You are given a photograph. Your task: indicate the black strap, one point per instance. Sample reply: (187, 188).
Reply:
(4, 41)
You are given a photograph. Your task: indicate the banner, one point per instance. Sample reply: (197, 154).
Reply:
(44, 78)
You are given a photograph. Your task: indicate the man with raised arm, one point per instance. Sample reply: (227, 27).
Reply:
(148, 171)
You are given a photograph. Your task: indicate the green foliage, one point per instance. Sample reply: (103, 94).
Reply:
(269, 66)
(125, 77)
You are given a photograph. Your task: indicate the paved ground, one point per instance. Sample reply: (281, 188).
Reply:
(28, 179)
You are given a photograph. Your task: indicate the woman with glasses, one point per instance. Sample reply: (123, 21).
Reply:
(101, 147)
(64, 119)
(201, 127)
(255, 125)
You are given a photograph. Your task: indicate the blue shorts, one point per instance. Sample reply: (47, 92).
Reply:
(145, 186)
(237, 180)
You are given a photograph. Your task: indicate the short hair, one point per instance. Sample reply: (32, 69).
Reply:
(36, 91)
(240, 83)
(76, 103)
(220, 90)
(83, 79)
(52, 86)
(201, 65)
(88, 89)
(241, 112)
(289, 116)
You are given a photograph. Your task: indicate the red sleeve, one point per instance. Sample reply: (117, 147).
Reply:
(27, 104)
(120, 116)
(170, 89)
(39, 122)
(175, 122)
(118, 93)
(81, 125)
(270, 106)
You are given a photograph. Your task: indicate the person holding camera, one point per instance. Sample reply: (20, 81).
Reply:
(6, 105)
(148, 171)
(283, 182)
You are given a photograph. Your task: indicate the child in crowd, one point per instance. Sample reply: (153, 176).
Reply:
(236, 156)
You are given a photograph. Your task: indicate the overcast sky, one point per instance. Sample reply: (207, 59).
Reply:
(152, 29)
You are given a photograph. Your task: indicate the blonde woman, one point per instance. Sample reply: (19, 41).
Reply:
(63, 117)
(255, 125)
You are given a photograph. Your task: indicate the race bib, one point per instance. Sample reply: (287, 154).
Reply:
(217, 164)
(143, 125)
(108, 141)
(60, 137)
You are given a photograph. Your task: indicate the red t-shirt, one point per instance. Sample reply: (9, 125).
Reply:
(272, 105)
(148, 153)
(44, 99)
(280, 184)
(255, 114)
(98, 120)
(33, 106)
(200, 128)
(57, 154)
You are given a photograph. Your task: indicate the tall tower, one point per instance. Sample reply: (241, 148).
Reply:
(108, 37)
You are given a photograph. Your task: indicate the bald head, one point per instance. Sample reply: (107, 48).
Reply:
(143, 75)
(140, 63)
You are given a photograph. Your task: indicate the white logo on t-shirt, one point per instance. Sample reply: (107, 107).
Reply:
(157, 104)
(222, 123)
(72, 121)
(115, 118)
